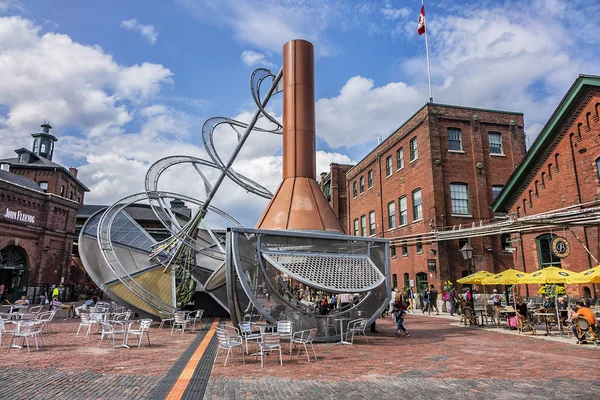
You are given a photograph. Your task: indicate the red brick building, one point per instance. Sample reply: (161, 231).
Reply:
(39, 200)
(333, 185)
(441, 168)
(561, 170)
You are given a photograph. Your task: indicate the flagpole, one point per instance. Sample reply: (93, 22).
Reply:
(428, 65)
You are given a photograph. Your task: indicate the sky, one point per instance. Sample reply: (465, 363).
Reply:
(125, 84)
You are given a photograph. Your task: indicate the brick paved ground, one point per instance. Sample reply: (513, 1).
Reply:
(83, 367)
(439, 360)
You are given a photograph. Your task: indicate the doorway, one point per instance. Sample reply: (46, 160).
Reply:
(13, 272)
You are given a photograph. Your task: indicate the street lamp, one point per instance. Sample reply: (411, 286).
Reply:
(467, 253)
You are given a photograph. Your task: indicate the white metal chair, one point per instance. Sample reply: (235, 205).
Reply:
(285, 329)
(84, 322)
(46, 317)
(194, 317)
(143, 328)
(109, 330)
(302, 338)
(35, 309)
(180, 320)
(165, 318)
(270, 342)
(228, 342)
(247, 334)
(25, 332)
(357, 327)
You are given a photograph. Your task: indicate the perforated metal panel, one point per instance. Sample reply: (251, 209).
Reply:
(337, 273)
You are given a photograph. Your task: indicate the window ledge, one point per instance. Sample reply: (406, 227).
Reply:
(399, 169)
(391, 229)
(497, 154)
(417, 220)
(462, 215)
(405, 255)
(419, 253)
(412, 161)
(456, 151)
(370, 188)
(393, 257)
(387, 176)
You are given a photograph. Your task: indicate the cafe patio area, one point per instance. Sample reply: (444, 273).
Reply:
(439, 359)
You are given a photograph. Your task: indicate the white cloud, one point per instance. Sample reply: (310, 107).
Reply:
(252, 58)
(514, 57)
(50, 76)
(147, 31)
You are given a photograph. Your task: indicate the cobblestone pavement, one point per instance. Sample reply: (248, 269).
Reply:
(439, 360)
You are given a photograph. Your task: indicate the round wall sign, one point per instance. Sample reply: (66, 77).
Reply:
(561, 247)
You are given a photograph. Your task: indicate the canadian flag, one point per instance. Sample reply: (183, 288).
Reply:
(421, 25)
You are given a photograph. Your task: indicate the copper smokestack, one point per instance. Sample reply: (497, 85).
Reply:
(298, 203)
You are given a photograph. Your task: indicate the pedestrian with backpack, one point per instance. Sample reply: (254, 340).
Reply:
(400, 313)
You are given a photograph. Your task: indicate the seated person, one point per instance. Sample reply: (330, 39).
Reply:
(563, 308)
(21, 303)
(521, 309)
(85, 306)
(546, 307)
(582, 312)
(68, 307)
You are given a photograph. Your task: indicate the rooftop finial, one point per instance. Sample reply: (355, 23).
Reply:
(45, 126)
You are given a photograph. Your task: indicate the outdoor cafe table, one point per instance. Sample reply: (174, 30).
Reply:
(545, 315)
(342, 341)
(126, 324)
(482, 312)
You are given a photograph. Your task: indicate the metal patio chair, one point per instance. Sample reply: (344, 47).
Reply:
(302, 338)
(586, 330)
(228, 342)
(270, 342)
(285, 329)
(165, 318)
(25, 332)
(143, 328)
(357, 327)
(194, 317)
(179, 319)
(109, 330)
(84, 322)
(46, 317)
(247, 334)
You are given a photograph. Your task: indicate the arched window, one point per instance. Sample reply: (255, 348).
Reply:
(546, 256)
(537, 193)
(587, 120)
(543, 180)
(530, 195)
(579, 129)
(36, 143)
(518, 212)
(556, 162)
(421, 281)
(406, 280)
(549, 172)
(525, 206)
(394, 281)
(43, 148)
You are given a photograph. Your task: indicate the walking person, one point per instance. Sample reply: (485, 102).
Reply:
(43, 295)
(425, 297)
(453, 301)
(433, 295)
(410, 296)
(399, 314)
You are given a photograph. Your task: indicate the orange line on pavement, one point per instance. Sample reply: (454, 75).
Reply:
(186, 375)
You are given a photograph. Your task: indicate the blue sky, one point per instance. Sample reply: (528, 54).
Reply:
(125, 83)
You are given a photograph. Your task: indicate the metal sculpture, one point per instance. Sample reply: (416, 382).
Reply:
(252, 273)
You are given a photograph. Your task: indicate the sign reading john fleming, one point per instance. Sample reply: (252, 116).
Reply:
(19, 216)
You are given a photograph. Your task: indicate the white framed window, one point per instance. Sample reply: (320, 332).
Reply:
(355, 226)
(404, 250)
(414, 149)
(495, 140)
(496, 189)
(391, 215)
(393, 251)
(362, 184)
(459, 193)
(371, 222)
(370, 178)
(400, 158)
(419, 245)
(403, 210)
(363, 225)
(454, 139)
(44, 186)
(388, 166)
(417, 205)
(354, 189)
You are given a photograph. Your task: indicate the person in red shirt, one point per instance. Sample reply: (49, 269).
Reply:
(587, 314)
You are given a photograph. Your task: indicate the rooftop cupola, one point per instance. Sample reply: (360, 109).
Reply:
(43, 144)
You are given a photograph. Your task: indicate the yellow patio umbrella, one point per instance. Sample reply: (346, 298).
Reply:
(591, 275)
(475, 279)
(508, 277)
(550, 275)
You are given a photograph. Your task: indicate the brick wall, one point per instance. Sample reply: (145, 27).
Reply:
(48, 242)
(433, 172)
(566, 175)
(59, 182)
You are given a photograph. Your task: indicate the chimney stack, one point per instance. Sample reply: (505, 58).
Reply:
(298, 203)
(73, 171)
